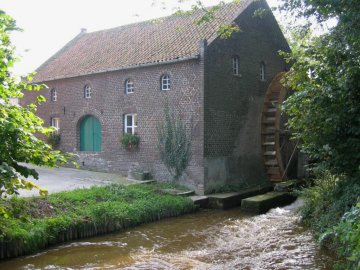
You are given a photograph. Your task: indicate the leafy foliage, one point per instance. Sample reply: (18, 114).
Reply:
(347, 234)
(324, 111)
(18, 124)
(174, 144)
(129, 140)
(327, 204)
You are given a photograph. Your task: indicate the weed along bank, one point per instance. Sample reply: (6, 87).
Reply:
(107, 84)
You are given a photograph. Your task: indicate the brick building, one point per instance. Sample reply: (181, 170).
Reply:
(119, 80)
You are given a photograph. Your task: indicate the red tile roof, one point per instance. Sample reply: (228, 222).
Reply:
(171, 38)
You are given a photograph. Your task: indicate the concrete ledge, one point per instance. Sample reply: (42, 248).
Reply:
(233, 199)
(200, 201)
(262, 203)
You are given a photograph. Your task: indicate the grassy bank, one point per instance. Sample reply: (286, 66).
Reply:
(40, 222)
(332, 211)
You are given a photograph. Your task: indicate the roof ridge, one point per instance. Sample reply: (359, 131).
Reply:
(174, 15)
(177, 36)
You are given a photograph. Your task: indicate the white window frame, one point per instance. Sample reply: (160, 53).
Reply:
(262, 71)
(130, 127)
(53, 94)
(55, 122)
(87, 91)
(129, 86)
(235, 65)
(165, 82)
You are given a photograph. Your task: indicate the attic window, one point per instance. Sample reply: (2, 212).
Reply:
(262, 71)
(129, 86)
(235, 65)
(165, 82)
(87, 91)
(53, 94)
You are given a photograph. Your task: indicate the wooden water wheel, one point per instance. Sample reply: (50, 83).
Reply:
(279, 151)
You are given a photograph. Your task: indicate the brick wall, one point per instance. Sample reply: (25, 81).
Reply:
(109, 103)
(233, 104)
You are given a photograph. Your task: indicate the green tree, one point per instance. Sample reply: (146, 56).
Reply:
(18, 126)
(324, 111)
(174, 144)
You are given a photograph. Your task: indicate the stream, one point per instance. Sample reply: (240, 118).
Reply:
(208, 239)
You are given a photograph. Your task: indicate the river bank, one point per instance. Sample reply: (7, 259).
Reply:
(44, 221)
(208, 239)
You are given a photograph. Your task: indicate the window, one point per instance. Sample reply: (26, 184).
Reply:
(87, 91)
(235, 65)
(129, 86)
(165, 82)
(130, 123)
(53, 94)
(262, 71)
(55, 122)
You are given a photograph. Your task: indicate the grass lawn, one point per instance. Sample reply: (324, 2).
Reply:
(43, 221)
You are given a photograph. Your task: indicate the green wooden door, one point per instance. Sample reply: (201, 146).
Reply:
(90, 134)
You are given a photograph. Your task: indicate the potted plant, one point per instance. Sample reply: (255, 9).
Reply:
(54, 140)
(130, 141)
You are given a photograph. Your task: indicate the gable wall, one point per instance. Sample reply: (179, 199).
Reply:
(109, 103)
(233, 105)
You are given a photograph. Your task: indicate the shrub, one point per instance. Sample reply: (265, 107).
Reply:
(174, 144)
(347, 239)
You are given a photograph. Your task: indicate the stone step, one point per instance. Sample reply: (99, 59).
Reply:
(141, 181)
(233, 199)
(200, 201)
(137, 175)
(289, 186)
(262, 203)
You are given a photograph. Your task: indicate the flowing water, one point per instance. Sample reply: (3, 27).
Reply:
(208, 239)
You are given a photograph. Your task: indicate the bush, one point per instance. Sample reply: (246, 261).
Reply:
(347, 239)
(330, 211)
(174, 143)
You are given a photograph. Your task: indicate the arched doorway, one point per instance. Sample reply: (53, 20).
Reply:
(90, 134)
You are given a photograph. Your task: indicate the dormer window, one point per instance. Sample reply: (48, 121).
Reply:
(165, 82)
(235, 65)
(53, 94)
(129, 86)
(87, 91)
(262, 71)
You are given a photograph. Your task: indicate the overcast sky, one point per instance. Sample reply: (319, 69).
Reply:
(49, 24)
